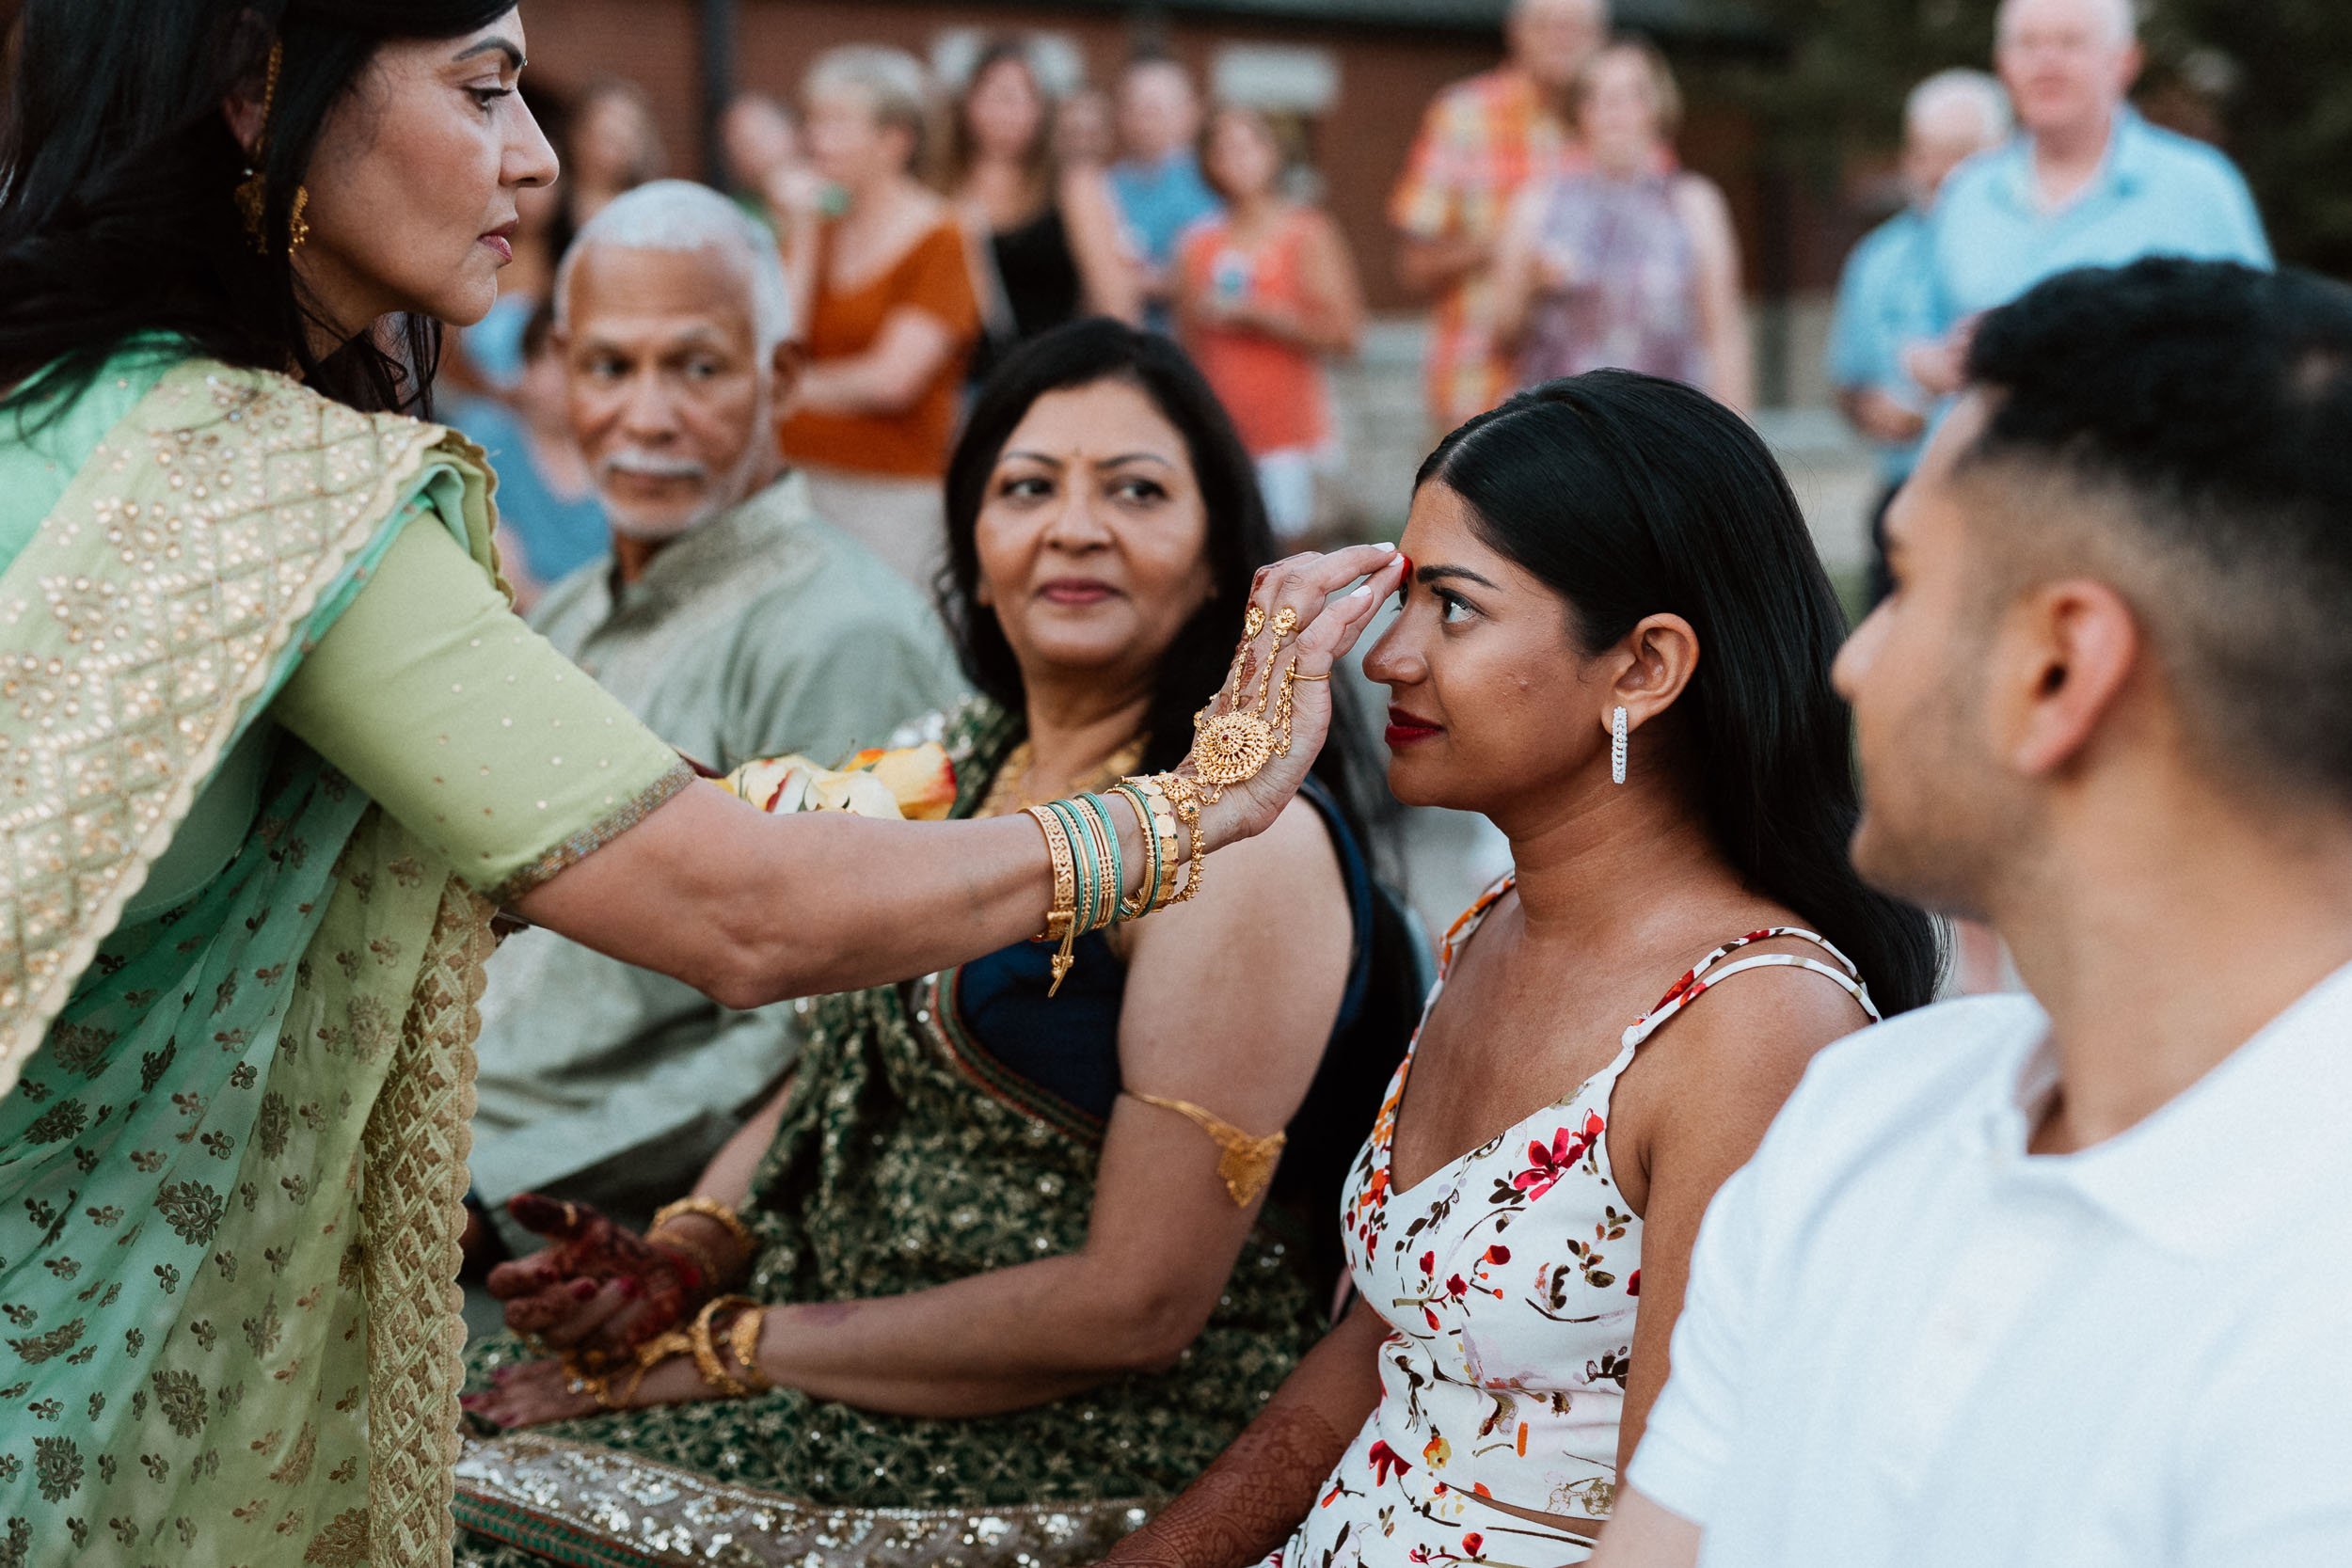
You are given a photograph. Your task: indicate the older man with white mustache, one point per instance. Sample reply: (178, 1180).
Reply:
(737, 625)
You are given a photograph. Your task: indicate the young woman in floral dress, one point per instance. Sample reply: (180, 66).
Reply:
(1607, 565)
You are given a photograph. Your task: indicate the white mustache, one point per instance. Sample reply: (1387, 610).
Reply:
(647, 464)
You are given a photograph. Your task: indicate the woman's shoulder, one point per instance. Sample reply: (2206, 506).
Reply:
(1299, 847)
(1695, 194)
(207, 403)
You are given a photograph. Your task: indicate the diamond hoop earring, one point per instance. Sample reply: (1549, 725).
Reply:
(1616, 747)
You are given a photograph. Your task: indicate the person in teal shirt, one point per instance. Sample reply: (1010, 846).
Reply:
(2089, 183)
(1883, 299)
(1157, 185)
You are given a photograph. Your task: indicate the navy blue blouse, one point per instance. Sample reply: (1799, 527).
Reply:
(1068, 1046)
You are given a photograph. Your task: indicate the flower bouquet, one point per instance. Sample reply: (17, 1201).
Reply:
(916, 784)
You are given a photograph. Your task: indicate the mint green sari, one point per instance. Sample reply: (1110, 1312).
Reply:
(236, 997)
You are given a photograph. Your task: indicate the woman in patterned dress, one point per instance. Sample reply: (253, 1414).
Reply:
(1615, 645)
(1003, 1273)
(274, 749)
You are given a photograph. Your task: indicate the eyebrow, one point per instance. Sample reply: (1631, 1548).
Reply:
(1052, 462)
(501, 47)
(1439, 574)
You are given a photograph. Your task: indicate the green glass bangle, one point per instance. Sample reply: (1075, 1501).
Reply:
(1082, 851)
(1147, 897)
(1114, 895)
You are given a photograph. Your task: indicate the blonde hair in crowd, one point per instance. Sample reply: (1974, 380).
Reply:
(1665, 94)
(892, 80)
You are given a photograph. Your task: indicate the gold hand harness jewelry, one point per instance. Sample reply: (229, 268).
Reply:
(1244, 1163)
(1234, 746)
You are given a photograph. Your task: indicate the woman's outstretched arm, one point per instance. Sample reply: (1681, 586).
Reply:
(1247, 1502)
(748, 907)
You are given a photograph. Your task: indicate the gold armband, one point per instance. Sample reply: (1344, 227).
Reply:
(1244, 1163)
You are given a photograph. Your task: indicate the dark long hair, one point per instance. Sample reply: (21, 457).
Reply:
(1632, 495)
(1081, 355)
(1037, 165)
(117, 173)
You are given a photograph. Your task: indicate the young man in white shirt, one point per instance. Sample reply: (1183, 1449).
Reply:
(2074, 1288)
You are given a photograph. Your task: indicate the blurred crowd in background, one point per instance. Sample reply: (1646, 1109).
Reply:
(1355, 272)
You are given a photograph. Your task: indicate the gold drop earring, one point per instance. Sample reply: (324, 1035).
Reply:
(252, 192)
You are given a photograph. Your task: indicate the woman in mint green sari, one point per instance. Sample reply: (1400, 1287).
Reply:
(272, 750)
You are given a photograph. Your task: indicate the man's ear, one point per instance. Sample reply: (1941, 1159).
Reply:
(2134, 62)
(2073, 646)
(788, 360)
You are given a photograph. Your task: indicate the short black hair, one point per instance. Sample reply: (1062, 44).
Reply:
(2208, 405)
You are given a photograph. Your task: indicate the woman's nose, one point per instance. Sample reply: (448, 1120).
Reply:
(1393, 659)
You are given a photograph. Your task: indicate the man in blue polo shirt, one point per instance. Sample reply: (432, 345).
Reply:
(1885, 298)
(2090, 183)
(1158, 185)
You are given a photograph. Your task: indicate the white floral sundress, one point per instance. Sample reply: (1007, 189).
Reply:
(1509, 1279)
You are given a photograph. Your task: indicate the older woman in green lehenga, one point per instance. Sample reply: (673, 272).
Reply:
(272, 750)
(1004, 1258)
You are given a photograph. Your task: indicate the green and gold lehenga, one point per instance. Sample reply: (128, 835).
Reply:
(236, 994)
(907, 1157)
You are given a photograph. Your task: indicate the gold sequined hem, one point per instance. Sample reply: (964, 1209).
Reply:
(574, 1503)
(586, 842)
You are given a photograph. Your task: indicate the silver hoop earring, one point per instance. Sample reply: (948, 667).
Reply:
(1616, 747)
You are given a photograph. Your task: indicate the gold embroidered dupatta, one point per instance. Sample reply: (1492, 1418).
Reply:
(232, 1138)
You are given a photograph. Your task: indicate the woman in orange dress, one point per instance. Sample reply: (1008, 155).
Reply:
(884, 273)
(1265, 293)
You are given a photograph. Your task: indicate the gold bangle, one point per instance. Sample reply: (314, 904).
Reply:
(709, 1209)
(1107, 892)
(743, 1339)
(1159, 826)
(715, 1269)
(586, 1379)
(1063, 915)
(651, 1354)
(714, 1372)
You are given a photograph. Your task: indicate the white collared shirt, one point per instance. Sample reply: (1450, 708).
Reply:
(1907, 1341)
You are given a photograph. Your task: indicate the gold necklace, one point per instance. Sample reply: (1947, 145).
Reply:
(1009, 791)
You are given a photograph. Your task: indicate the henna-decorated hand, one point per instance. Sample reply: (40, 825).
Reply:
(539, 1391)
(602, 1289)
(1277, 699)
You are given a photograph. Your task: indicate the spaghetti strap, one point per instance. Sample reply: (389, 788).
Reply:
(1703, 977)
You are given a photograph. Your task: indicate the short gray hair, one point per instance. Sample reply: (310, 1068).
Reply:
(2123, 17)
(680, 217)
(1974, 89)
(894, 80)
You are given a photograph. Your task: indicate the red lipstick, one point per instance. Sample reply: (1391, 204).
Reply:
(1405, 729)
